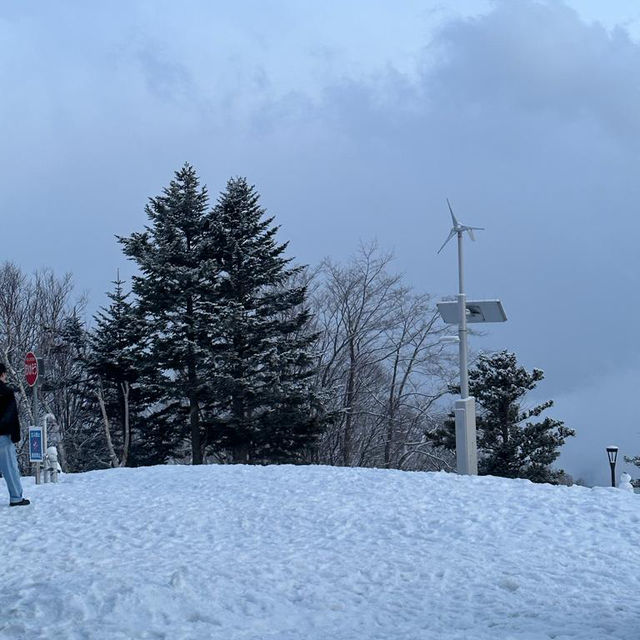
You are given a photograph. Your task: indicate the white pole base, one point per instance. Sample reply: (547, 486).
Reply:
(466, 444)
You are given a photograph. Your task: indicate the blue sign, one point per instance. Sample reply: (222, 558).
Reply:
(36, 453)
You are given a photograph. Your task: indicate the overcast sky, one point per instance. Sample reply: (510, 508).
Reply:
(355, 120)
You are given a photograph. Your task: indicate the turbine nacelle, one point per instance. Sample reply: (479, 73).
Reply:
(458, 228)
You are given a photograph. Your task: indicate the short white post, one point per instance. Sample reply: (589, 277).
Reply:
(51, 471)
(49, 452)
(466, 444)
(44, 446)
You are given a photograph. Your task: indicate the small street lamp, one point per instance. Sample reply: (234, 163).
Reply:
(612, 454)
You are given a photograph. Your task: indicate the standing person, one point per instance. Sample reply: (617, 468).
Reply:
(9, 435)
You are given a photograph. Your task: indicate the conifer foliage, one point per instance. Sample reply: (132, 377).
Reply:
(112, 365)
(224, 325)
(262, 365)
(173, 293)
(511, 443)
(125, 385)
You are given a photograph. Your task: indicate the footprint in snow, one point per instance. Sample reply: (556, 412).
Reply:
(177, 580)
(509, 584)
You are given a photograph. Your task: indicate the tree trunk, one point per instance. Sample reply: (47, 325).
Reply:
(241, 453)
(194, 407)
(194, 422)
(391, 417)
(349, 399)
(107, 429)
(127, 430)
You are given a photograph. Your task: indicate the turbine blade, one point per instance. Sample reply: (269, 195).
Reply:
(470, 232)
(451, 234)
(455, 222)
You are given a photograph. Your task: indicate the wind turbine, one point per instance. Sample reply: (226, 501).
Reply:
(466, 446)
(458, 228)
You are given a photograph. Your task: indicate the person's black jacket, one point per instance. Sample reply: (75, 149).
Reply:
(9, 423)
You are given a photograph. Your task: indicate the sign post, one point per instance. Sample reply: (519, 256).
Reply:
(31, 368)
(31, 375)
(36, 445)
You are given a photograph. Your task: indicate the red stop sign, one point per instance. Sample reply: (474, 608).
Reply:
(31, 368)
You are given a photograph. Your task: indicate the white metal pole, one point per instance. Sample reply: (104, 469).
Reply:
(465, 413)
(44, 429)
(460, 264)
(462, 324)
(35, 422)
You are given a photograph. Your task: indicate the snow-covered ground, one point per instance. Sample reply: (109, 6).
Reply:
(317, 553)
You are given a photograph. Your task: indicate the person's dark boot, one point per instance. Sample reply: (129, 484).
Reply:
(23, 503)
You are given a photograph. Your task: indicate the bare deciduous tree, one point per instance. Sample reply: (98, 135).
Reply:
(381, 363)
(34, 315)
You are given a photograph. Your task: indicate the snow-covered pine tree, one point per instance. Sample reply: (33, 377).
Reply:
(510, 443)
(124, 383)
(262, 367)
(178, 275)
(111, 364)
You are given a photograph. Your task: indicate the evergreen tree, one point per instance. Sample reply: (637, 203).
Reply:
(112, 365)
(634, 460)
(173, 291)
(125, 384)
(510, 443)
(262, 364)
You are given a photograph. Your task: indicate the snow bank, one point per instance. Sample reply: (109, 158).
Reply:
(317, 553)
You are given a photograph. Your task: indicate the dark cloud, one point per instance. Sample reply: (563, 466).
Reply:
(529, 123)
(541, 58)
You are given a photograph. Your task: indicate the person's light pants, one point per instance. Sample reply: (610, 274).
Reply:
(9, 468)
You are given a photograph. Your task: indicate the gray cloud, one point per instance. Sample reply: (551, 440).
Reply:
(541, 58)
(529, 124)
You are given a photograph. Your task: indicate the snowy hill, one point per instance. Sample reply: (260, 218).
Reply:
(317, 553)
